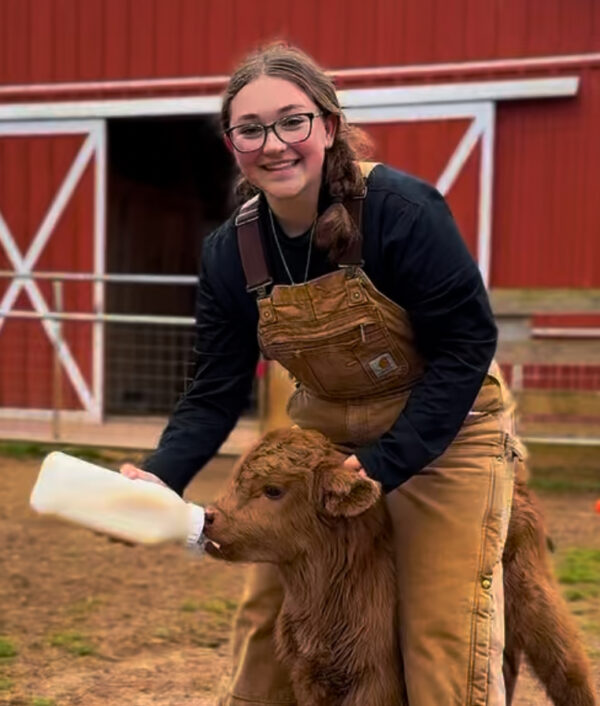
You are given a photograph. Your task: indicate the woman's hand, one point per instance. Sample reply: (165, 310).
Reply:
(133, 472)
(353, 463)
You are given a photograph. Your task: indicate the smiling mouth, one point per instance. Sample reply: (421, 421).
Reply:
(280, 166)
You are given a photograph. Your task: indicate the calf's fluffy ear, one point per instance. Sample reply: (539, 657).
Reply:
(344, 493)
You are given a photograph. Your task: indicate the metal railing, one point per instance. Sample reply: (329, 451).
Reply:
(141, 363)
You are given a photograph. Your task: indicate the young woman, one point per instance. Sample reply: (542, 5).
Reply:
(365, 291)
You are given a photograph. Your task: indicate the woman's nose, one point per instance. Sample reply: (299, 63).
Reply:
(273, 143)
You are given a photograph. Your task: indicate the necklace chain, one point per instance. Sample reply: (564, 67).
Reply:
(279, 249)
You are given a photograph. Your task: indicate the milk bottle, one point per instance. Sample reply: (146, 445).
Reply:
(108, 502)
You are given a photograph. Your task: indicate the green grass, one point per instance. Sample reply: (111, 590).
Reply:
(73, 642)
(592, 627)
(563, 485)
(7, 648)
(5, 684)
(163, 633)
(85, 606)
(24, 450)
(219, 606)
(215, 606)
(581, 593)
(190, 606)
(580, 566)
(41, 701)
(203, 636)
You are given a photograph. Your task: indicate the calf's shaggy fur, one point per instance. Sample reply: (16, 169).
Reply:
(291, 503)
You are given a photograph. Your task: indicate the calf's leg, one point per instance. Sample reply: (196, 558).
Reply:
(538, 622)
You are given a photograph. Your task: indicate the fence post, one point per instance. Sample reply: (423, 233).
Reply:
(274, 393)
(57, 377)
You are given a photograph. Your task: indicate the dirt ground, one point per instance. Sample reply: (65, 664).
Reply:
(84, 620)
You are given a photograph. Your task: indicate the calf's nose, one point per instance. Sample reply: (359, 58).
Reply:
(209, 516)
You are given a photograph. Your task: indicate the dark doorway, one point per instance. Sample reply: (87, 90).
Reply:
(169, 185)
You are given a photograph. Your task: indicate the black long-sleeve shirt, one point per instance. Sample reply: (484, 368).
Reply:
(414, 254)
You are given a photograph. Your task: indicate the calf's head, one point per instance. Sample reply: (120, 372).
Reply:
(287, 493)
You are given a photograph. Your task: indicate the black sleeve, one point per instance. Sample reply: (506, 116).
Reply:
(437, 281)
(227, 354)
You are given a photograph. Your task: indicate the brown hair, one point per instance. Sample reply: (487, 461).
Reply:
(342, 177)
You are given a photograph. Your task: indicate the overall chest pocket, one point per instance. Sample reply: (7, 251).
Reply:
(359, 361)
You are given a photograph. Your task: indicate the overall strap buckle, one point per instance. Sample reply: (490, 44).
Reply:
(251, 249)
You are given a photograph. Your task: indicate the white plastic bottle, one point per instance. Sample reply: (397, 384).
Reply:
(108, 502)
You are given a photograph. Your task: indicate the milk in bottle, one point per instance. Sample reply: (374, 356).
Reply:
(108, 502)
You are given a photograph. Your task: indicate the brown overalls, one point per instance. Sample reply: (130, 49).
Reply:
(353, 353)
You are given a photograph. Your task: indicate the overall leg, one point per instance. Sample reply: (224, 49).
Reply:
(258, 677)
(450, 522)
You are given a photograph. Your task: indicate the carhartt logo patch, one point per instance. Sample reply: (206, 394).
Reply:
(382, 365)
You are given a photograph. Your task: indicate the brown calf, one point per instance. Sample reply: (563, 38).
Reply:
(327, 529)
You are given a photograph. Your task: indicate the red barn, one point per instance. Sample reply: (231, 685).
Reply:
(112, 168)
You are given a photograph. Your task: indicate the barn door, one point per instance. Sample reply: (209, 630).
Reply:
(51, 223)
(449, 145)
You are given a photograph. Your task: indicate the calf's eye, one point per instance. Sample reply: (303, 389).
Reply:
(273, 492)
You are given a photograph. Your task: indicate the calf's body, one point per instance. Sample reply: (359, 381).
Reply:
(337, 628)
(328, 531)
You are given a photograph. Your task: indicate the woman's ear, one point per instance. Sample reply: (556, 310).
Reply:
(331, 127)
(228, 144)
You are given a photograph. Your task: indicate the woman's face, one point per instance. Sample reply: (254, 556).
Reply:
(280, 170)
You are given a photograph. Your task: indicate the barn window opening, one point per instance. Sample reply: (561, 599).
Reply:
(169, 185)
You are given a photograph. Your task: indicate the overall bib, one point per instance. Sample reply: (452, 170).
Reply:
(353, 354)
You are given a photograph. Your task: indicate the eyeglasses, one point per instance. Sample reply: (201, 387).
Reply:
(290, 129)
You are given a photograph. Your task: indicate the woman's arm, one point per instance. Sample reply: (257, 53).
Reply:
(437, 281)
(227, 354)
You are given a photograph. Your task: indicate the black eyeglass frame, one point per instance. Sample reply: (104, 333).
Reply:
(273, 126)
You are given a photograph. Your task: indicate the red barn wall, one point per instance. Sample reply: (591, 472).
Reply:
(546, 219)
(79, 40)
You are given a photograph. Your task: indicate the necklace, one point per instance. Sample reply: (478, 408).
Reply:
(280, 251)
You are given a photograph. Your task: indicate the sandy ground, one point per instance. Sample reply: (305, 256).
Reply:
(84, 620)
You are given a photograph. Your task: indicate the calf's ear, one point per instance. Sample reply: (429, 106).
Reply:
(344, 493)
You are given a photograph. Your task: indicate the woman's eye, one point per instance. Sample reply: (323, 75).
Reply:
(272, 492)
(293, 122)
(250, 130)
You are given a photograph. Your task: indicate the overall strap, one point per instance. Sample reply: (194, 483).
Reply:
(251, 248)
(250, 244)
(353, 256)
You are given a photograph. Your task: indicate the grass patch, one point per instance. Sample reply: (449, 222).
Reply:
(591, 626)
(85, 606)
(563, 485)
(580, 566)
(74, 643)
(7, 648)
(190, 606)
(581, 593)
(24, 450)
(163, 633)
(205, 637)
(32, 449)
(219, 606)
(5, 684)
(41, 701)
(574, 594)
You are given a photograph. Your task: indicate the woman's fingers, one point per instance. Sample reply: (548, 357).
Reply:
(353, 463)
(133, 472)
